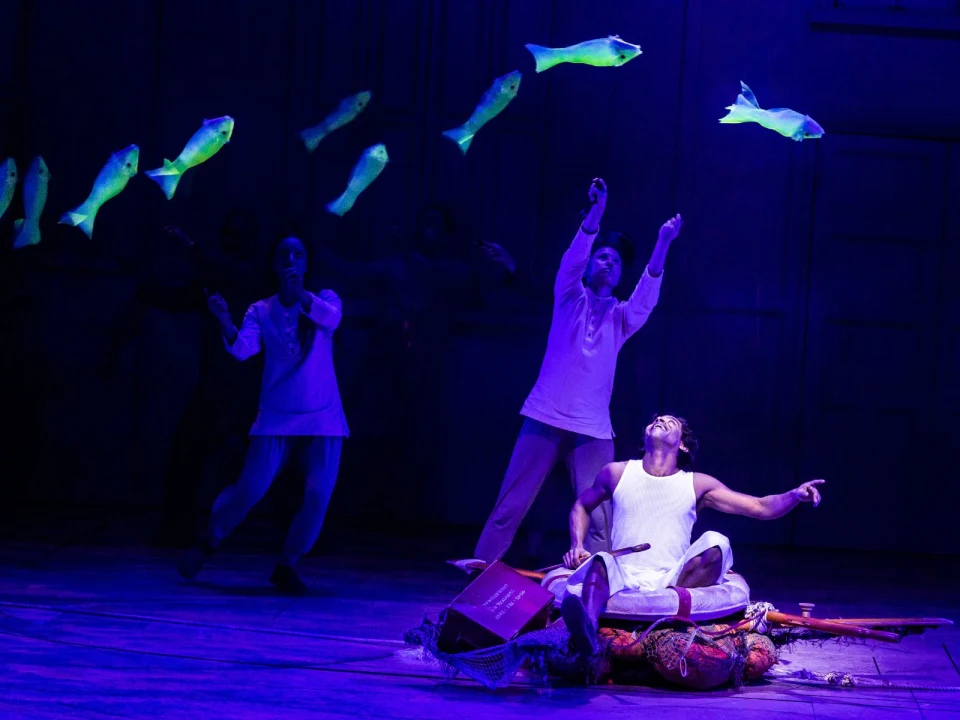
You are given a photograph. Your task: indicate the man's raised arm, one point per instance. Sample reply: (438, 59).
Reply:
(575, 260)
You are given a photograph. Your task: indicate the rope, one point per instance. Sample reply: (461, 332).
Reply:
(842, 679)
(758, 612)
(755, 614)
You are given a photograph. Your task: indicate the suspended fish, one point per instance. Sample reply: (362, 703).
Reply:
(345, 112)
(788, 123)
(113, 178)
(606, 52)
(9, 171)
(27, 230)
(204, 144)
(494, 100)
(371, 163)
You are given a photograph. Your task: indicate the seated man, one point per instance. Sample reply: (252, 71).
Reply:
(655, 500)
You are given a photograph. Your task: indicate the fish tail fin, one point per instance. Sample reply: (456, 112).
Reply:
(546, 57)
(342, 204)
(312, 139)
(167, 177)
(82, 217)
(741, 111)
(461, 136)
(25, 234)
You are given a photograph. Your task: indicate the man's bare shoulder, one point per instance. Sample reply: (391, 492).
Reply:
(703, 483)
(612, 472)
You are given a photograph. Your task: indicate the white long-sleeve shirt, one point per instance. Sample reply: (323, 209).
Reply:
(586, 334)
(299, 393)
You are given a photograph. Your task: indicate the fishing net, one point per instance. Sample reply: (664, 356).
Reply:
(699, 657)
(543, 652)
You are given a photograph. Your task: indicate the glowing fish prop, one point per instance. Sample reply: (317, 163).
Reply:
(345, 112)
(204, 144)
(27, 230)
(9, 171)
(606, 52)
(371, 163)
(493, 102)
(111, 181)
(788, 123)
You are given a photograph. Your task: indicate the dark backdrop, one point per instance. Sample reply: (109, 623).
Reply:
(809, 324)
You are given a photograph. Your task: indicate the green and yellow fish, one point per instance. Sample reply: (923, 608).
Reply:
(494, 100)
(788, 123)
(27, 229)
(606, 52)
(110, 182)
(345, 112)
(204, 144)
(9, 172)
(371, 163)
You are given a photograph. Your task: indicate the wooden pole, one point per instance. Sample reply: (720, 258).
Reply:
(542, 572)
(893, 622)
(616, 553)
(832, 627)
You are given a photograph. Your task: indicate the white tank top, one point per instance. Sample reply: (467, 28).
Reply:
(656, 510)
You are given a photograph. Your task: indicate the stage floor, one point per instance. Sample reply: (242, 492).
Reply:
(101, 632)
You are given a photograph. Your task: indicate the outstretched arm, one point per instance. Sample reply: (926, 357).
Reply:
(644, 298)
(245, 342)
(668, 233)
(589, 500)
(714, 494)
(574, 263)
(242, 343)
(324, 309)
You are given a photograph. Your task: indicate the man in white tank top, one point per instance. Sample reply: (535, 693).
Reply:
(655, 500)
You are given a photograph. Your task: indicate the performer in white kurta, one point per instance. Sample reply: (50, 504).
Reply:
(568, 411)
(300, 410)
(655, 500)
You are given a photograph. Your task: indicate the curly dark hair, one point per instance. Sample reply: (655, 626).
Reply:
(619, 241)
(687, 437)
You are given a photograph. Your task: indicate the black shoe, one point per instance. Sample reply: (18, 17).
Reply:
(287, 580)
(193, 559)
(582, 630)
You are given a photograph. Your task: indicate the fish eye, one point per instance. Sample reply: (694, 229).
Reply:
(622, 56)
(223, 132)
(129, 165)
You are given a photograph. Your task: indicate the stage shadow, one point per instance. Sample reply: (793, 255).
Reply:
(265, 590)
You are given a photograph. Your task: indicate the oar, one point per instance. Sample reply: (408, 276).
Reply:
(616, 553)
(893, 622)
(830, 626)
(468, 565)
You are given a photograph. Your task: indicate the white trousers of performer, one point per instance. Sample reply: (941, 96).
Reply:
(626, 575)
(267, 456)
